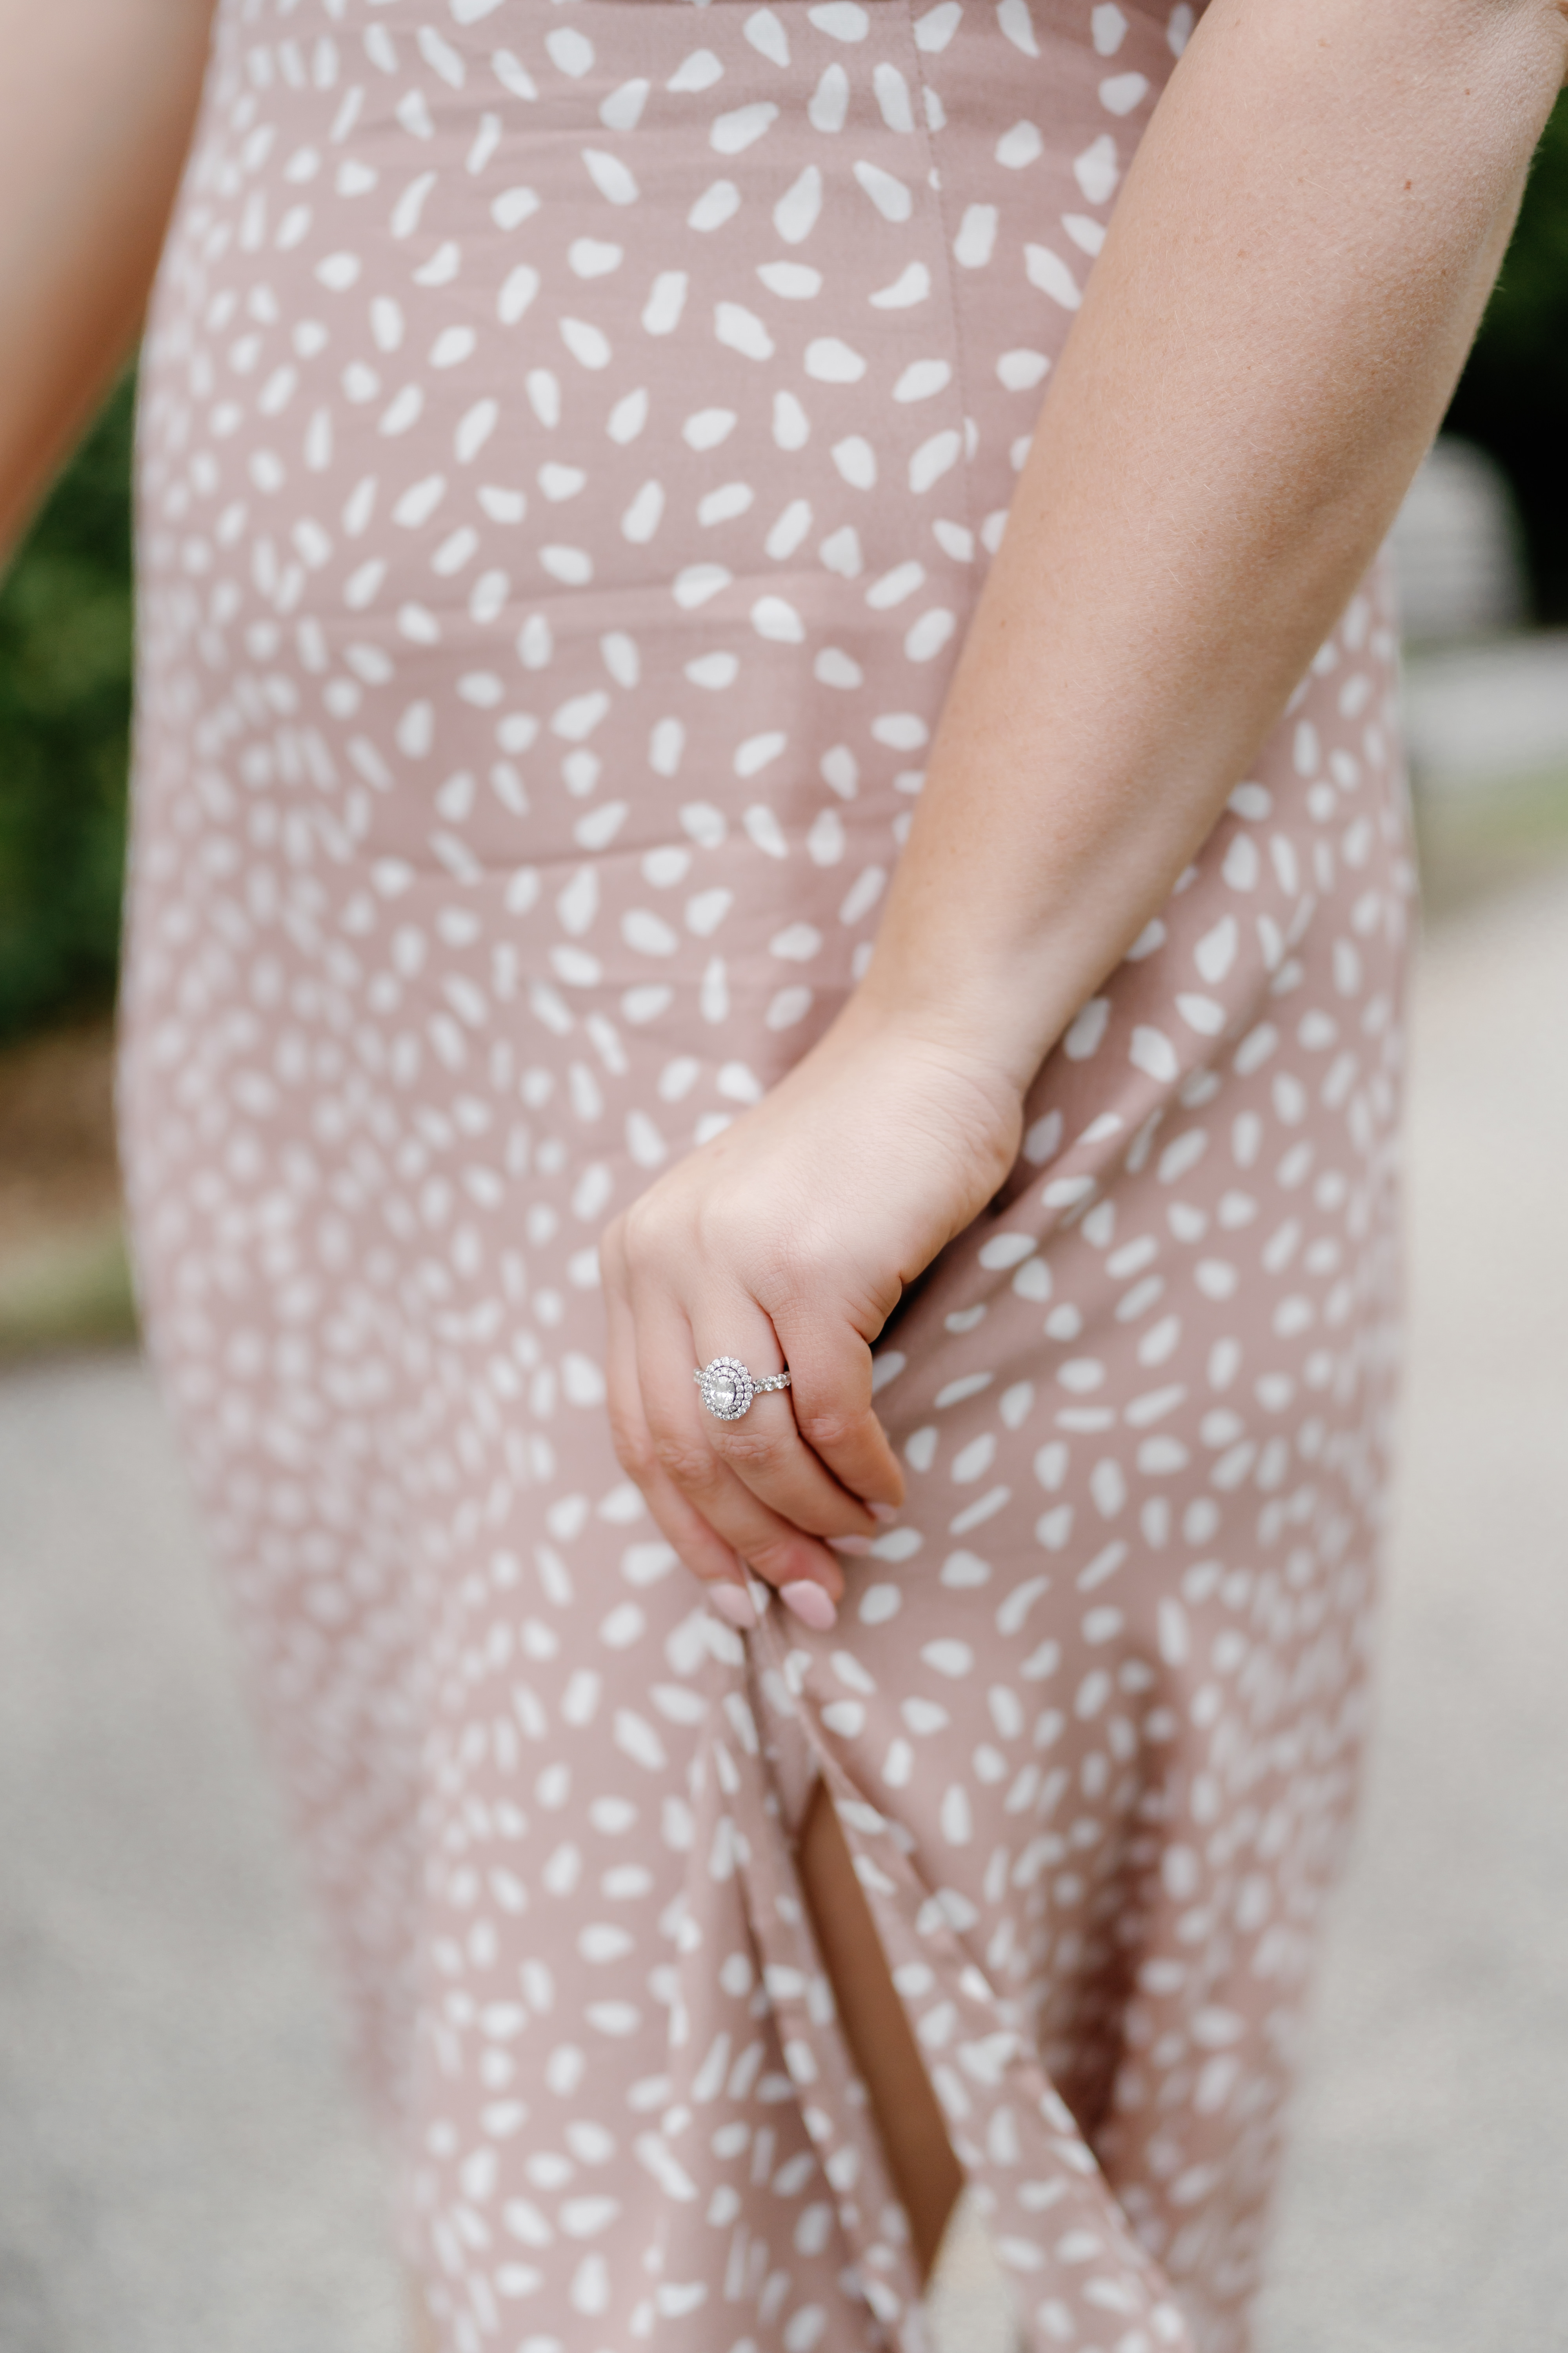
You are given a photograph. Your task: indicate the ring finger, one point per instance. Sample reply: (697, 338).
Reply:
(762, 1444)
(801, 1568)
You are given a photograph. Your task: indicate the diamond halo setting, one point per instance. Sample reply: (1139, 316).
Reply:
(728, 1389)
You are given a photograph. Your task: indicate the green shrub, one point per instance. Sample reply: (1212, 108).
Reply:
(1513, 396)
(65, 708)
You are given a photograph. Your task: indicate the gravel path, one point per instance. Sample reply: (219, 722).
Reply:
(1428, 2207)
(182, 2169)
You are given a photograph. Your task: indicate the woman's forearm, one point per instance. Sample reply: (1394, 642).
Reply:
(97, 98)
(1291, 280)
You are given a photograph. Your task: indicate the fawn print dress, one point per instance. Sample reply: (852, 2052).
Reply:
(574, 433)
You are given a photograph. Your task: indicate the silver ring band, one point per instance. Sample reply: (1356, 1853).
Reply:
(728, 1389)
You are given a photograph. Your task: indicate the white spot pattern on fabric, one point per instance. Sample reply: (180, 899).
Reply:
(561, 521)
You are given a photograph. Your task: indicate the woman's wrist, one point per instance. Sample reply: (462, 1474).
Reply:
(953, 1045)
(990, 1008)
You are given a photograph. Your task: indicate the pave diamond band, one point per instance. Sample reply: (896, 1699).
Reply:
(728, 1389)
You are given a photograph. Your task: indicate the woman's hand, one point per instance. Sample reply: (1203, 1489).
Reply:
(787, 1242)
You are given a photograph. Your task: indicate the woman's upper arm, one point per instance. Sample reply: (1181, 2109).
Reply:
(96, 100)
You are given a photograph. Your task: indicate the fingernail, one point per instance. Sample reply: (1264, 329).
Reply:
(856, 1545)
(884, 1512)
(733, 1602)
(810, 1604)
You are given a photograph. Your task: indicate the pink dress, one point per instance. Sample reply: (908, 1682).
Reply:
(573, 437)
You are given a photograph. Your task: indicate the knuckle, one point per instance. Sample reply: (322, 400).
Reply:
(791, 1274)
(687, 1461)
(632, 1225)
(645, 1229)
(776, 1559)
(633, 1450)
(780, 1267)
(751, 1452)
(825, 1428)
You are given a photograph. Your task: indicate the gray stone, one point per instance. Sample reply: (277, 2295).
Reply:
(182, 2167)
(1425, 2205)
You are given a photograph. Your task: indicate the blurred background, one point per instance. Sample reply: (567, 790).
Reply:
(182, 2164)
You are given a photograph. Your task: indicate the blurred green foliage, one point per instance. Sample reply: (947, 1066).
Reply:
(1513, 396)
(65, 621)
(65, 710)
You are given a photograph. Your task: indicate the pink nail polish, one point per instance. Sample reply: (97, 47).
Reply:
(885, 1513)
(855, 1545)
(734, 1603)
(810, 1604)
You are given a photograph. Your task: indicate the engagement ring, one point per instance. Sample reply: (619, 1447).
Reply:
(728, 1389)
